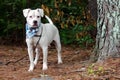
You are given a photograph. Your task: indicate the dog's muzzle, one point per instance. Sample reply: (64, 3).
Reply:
(35, 23)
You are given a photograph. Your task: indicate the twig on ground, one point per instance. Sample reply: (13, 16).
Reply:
(7, 63)
(116, 77)
(78, 70)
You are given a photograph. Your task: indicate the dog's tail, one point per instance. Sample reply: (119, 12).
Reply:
(49, 20)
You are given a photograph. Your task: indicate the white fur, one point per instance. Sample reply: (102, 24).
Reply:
(49, 33)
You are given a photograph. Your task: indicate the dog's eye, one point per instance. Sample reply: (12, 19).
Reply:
(38, 16)
(30, 16)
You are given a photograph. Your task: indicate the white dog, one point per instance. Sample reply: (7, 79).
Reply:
(41, 34)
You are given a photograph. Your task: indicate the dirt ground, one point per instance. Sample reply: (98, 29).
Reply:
(75, 65)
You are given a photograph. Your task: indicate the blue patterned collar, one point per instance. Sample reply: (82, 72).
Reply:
(31, 31)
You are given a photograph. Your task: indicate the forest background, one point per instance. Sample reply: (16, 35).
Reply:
(72, 17)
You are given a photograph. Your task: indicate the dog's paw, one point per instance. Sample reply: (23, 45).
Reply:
(31, 67)
(30, 70)
(45, 67)
(60, 61)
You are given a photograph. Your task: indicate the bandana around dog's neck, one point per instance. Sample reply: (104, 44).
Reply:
(31, 31)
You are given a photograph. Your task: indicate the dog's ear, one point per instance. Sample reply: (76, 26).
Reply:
(25, 12)
(41, 12)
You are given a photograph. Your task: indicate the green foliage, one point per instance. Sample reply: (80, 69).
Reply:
(67, 36)
(11, 16)
(70, 16)
(77, 35)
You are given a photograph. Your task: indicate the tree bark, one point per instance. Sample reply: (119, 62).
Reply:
(108, 30)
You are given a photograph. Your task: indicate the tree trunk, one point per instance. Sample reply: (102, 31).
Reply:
(108, 30)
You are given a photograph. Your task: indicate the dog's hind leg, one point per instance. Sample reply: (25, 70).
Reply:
(37, 50)
(58, 47)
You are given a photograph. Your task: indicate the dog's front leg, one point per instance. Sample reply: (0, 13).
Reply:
(30, 53)
(45, 54)
(37, 50)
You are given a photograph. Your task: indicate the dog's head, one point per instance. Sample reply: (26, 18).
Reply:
(33, 17)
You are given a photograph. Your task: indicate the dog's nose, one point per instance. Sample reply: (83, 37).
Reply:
(35, 22)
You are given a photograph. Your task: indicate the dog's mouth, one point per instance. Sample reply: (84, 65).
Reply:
(35, 25)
